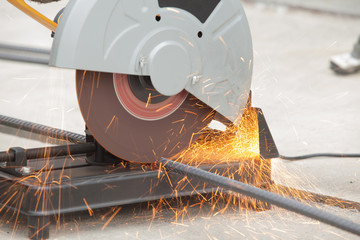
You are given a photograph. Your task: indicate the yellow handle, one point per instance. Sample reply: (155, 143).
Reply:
(20, 4)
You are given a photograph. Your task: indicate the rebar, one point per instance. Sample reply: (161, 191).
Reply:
(260, 194)
(43, 130)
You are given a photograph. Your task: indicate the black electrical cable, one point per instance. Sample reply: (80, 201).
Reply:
(260, 194)
(315, 155)
(55, 133)
(77, 138)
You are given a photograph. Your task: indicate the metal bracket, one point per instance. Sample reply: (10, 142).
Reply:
(268, 149)
(19, 165)
(100, 157)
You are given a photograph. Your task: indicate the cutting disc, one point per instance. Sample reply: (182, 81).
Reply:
(130, 119)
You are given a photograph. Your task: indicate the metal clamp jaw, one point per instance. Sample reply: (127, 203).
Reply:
(19, 165)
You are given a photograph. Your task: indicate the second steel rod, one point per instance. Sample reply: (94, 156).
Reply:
(260, 194)
(41, 129)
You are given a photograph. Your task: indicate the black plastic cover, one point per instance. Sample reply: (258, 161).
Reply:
(201, 9)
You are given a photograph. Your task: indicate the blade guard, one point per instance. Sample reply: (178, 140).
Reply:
(204, 48)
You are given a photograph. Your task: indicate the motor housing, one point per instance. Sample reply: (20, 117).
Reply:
(202, 46)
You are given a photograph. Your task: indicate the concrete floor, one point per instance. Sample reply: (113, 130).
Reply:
(309, 109)
(347, 7)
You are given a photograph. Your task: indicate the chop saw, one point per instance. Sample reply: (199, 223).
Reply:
(150, 75)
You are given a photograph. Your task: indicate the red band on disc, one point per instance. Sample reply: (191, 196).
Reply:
(140, 109)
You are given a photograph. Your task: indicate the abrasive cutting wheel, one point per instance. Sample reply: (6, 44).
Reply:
(197, 54)
(130, 119)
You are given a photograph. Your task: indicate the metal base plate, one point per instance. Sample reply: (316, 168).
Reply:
(63, 189)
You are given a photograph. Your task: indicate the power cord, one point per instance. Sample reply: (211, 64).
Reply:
(334, 155)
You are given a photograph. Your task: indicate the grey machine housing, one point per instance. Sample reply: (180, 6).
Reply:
(202, 46)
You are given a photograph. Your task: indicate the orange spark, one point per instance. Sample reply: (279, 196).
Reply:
(191, 113)
(91, 212)
(111, 122)
(164, 107)
(111, 218)
(148, 101)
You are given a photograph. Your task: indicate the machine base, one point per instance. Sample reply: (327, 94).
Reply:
(72, 189)
(96, 179)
